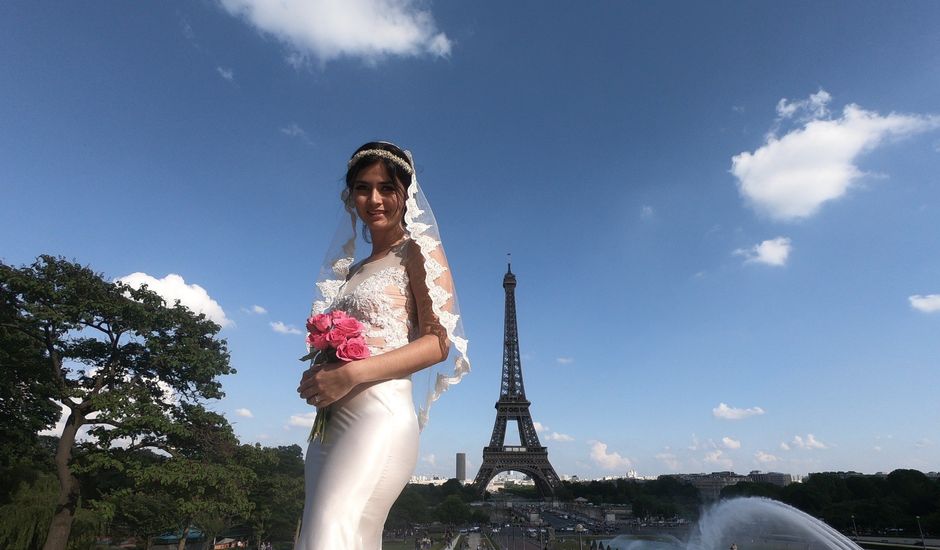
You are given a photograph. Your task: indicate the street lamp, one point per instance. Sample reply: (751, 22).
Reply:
(854, 527)
(922, 541)
(579, 528)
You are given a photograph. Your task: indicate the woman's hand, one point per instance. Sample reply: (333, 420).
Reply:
(322, 385)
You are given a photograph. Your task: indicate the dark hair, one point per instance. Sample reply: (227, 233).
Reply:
(400, 176)
(396, 171)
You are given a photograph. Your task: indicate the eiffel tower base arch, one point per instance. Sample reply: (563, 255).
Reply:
(534, 464)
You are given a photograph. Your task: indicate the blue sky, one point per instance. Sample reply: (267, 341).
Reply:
(724, 217)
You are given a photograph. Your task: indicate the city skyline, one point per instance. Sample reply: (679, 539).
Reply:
(724, 218)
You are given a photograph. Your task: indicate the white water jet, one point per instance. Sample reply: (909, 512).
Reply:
(763, 523)
(750, 523)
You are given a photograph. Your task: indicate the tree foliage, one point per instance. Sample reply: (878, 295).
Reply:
(122, 361)
(878, 503)
(277, 492)
(663, 497)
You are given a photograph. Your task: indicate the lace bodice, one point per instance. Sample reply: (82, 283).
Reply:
(378, 293)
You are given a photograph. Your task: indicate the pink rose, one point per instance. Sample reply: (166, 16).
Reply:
(319, 323)
(348, 327)
(353, 350)
(335, 338)
(318, 341)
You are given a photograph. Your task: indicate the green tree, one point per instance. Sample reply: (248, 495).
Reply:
(26, 406)
(411, 507)
(24, 522)
(118, 358)
(142, 514)
(203, 478)
(277, 493)
(453, 511)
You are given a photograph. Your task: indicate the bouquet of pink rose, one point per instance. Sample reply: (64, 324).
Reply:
(332, 337)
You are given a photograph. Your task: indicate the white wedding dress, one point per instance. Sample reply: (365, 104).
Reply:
(371, 446)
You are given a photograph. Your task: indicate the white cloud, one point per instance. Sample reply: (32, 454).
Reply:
(928, 304)
(669, 460)
(808, 443)
(295, 131)
(718, 458)
(329, 29)
(784, 446)
(564, 360)
(708, 444)
(553, 436)
(255, 309)
(82, 433)
(281, 328)
(227, 74)
(877, 448)
(608, 461)
(173, 287)
(730, 443)
(814, 107)
(647, 212)
(922, 443)
(765, 458)
(244, 413)
(790, 177)
(770, 252)
(304, 420)
(727, 412)
(429, 459)
(187, 28)
(60, 424)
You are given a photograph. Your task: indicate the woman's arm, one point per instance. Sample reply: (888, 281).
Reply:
(332, 381)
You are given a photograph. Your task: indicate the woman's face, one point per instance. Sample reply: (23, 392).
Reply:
(378, 200)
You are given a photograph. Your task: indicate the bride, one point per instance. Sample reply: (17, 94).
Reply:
(403, 294)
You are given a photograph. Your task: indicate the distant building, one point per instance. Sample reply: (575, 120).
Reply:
(461, 467)
(428, 480)
(710, 485)
(773, 478)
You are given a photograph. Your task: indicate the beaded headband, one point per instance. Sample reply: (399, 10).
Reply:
(387, 155)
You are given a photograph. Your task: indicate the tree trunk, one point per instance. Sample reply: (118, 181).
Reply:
(67, 503)
(297, 531)
(182, 543)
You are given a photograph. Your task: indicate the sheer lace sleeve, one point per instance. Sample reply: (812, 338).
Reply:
(437, 314)
(428, 321)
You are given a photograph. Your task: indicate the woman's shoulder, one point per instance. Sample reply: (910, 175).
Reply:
(410, 249)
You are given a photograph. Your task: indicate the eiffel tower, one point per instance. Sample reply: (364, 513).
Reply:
(529, 457)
